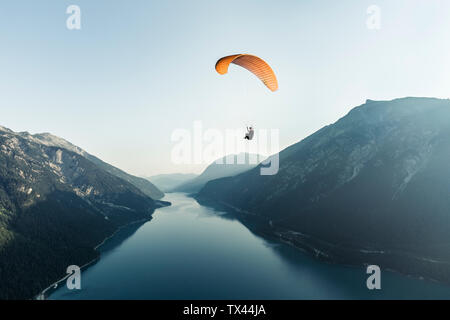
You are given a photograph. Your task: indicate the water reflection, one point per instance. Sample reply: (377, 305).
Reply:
(192, 251)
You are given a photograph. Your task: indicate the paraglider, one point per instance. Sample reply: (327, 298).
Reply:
(254, 64)
(250, 133)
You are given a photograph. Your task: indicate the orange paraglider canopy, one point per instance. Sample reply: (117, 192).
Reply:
(254, 64)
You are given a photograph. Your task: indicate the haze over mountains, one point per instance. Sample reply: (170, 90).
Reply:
(374, 187)
(227, 166)
(55, 207)
(167, 182)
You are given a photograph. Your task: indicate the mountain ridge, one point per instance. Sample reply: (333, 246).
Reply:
(51, 140)
(364, 182)
(55, 207)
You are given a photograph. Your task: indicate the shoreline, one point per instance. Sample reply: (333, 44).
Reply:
(326, 258)
(320, 252)
(358, 256)
(43, 295)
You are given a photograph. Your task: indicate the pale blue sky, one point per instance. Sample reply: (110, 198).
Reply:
(137, 70)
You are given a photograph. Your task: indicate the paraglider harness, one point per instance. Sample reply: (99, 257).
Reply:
(249, 134)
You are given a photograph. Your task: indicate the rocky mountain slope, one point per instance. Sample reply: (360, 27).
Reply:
(374, 187)
(55, 207)
(50, 140)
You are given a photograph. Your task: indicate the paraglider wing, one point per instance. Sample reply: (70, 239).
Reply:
(254, 64)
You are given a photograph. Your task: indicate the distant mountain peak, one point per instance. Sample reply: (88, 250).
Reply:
(170, 181)
(4, 129)
(227, 166)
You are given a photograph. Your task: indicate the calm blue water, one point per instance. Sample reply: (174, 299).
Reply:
(189, 251)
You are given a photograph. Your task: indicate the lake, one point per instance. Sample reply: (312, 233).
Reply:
(189, 251)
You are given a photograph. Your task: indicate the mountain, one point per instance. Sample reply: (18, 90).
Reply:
(142, 184)
(371, 188)
(55, 207)
(224, 167)
(167, 182)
